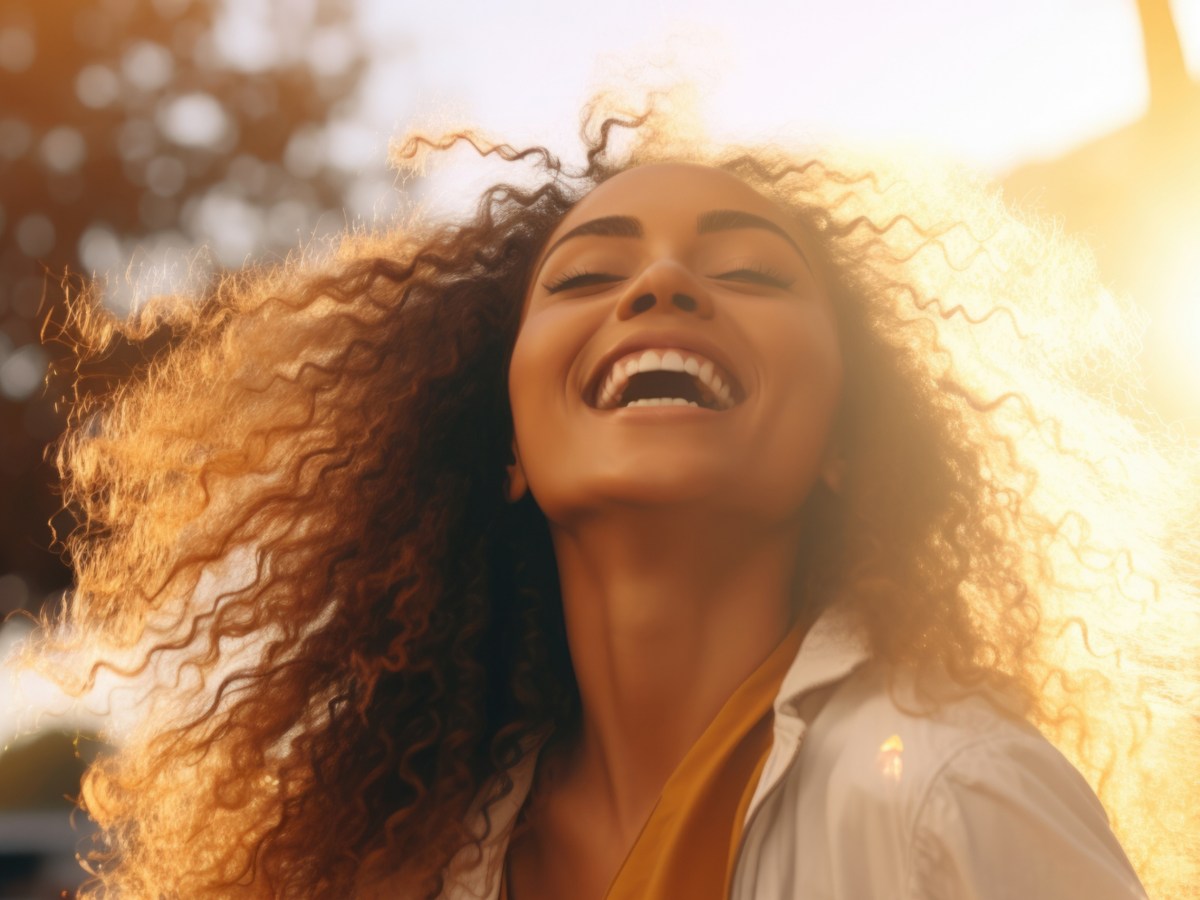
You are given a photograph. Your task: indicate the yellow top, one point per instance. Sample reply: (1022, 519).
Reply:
(689, 843)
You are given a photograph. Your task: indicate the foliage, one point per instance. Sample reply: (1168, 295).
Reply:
(130, 132)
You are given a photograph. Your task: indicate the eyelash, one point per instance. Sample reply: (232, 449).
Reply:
(579, 278)
(763, 274)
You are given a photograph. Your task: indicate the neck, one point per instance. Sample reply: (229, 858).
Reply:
(666, 615)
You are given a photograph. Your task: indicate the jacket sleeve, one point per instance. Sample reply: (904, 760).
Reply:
(1009, 817)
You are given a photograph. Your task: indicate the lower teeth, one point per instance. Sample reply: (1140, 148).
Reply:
(663, 401)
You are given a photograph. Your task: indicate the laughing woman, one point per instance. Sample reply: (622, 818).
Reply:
(704, 523)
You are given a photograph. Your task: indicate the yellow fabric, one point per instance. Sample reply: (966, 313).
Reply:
(689, 843)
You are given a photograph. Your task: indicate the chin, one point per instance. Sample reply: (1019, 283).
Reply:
(666, 483)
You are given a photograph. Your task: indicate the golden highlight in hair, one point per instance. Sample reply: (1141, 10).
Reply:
(292, 524)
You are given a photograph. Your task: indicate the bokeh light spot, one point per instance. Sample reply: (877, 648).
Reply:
(147, 66)
(15, 138)
(35, 235)
(352, 145)
(230, 225)
(137, 140)
(286, 221)
(166, 176)
(22, 371)
(17, 49)
(63, 149)
(372, 199)
(245, 37)
(331, 51)
(97, 86)
(167, 265)
(305, 153)
(248, 173)
(257, 100)
(193, 120)
(99, 249)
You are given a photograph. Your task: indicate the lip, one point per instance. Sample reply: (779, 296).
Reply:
(653, 339)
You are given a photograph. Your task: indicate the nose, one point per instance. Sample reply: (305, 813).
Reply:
(668, 286)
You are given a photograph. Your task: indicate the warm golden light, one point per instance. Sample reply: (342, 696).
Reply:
(889, 760)
(1182, 327)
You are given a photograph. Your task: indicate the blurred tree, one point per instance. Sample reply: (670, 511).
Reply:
(132, 132)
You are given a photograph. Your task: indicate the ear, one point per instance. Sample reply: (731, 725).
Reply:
(516, 484)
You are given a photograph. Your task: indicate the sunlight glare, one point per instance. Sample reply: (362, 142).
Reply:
(1182, 318)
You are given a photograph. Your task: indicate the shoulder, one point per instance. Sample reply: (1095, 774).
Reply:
(952, 799)
(876, 743)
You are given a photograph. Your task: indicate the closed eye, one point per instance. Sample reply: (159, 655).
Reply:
(759, 275)
(575, 278)
(754, 274)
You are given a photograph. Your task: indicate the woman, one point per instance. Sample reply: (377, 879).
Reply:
(475, 612)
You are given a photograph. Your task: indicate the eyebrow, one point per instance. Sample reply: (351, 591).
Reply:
(714, 220)
(727, 219)
(607, 226)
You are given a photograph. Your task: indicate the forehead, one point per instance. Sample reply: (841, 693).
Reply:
(666, 190)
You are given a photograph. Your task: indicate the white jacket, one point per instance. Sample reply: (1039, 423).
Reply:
(861, 800)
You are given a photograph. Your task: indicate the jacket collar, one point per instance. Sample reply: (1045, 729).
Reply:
(833, 647)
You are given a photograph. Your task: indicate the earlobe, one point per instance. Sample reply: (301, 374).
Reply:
(515, 484)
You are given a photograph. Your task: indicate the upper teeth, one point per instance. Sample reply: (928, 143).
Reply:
(669, 360)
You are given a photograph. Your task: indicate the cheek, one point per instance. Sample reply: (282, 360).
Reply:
(804, 359)
(540, 374)
(802, 379)
(549, 431)
(534, 352)
(525, 391)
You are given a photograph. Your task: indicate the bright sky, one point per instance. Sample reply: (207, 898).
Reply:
(990, 82)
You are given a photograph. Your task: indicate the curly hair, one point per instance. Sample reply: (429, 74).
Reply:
(292, 522)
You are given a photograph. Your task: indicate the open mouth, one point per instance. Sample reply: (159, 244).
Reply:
(666, 377)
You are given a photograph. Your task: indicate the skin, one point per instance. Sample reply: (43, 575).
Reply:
(675, 530)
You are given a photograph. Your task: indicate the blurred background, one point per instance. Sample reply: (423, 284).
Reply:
(152, 143)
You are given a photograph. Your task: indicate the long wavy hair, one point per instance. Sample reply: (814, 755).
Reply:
(293, 546)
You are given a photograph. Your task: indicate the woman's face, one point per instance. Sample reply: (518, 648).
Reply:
(661, 268)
